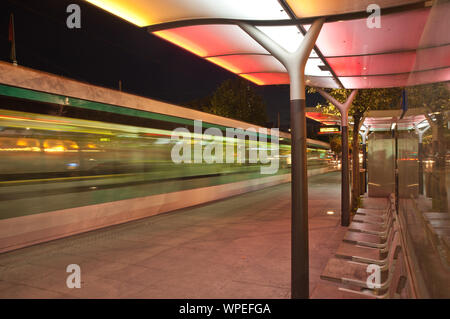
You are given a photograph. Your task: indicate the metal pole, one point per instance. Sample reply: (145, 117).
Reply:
(395, 132)
(299, 186)
(420, 133)
(295, 65)
(299, 203)
(345, 184)
(420, 158)
(364, 147)
(364, 134)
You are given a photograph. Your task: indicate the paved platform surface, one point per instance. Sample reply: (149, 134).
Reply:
(233, 248)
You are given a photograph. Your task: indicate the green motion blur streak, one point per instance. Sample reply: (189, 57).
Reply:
(49, 163)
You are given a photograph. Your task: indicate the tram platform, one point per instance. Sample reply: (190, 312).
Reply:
(238, 247)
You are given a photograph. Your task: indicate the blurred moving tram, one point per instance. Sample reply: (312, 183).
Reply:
(39, 147)
(70, 165)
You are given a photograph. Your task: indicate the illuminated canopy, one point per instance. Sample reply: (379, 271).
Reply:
(383, 120)
(411, 47)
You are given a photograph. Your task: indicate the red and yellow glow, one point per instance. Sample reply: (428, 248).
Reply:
(323, 118)
(181, 41)
(253, 79)
(212, 40)
(308, 8)
(391, 63)
(267, 78)
(249, 63)
(224, 63)
(135, 12)
(360, 57)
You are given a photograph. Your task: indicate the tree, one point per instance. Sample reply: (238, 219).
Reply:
(435, 99)
(237, 99)
(365, 99)
(200, 104)
(336, 144)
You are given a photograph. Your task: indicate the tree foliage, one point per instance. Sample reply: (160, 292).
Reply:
(336, 144)
(367, 99)
(433, 97)
(237, 99)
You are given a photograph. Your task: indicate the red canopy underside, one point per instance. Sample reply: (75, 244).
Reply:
(410, 48)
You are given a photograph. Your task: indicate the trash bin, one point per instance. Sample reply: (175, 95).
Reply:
(362, 181)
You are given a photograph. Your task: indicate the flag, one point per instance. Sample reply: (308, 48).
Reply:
(12, 39)
(11, 28)
(404, 101)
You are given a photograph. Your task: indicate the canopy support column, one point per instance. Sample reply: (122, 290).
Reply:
(345, 185)
(295, 65)
(364, 134)
(420, 133)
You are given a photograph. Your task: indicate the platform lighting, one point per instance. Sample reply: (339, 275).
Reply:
(288, 37)
(146, 12)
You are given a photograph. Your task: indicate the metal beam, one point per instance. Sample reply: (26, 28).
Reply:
(295, 65)
(345, 185)
(293, 21)
(364, 134)
(302, 29)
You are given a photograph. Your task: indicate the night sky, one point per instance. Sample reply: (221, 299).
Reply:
(107, 49)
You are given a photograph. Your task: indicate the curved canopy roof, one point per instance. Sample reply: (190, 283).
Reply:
(411, 47)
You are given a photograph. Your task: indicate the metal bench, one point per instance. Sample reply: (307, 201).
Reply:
(383, 213)
(438, 223)
(363, 239)
(371, 219)
(395, 288)
(367, 236)
(352, 273)
(436, 216)
(376, 203)
(364, 254)
(439, 234)
(442, 231)
(381, 230)
(372, 239)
